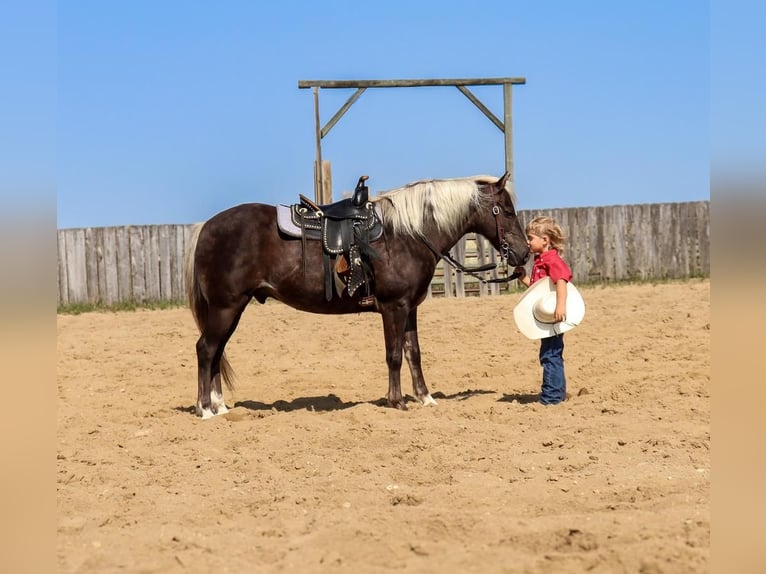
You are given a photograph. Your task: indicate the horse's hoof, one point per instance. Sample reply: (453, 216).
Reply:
(203, 412)
(428, 401)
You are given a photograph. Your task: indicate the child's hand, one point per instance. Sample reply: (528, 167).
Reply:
(520, 271)
(561, 301)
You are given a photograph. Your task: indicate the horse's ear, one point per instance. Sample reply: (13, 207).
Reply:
(503, 180)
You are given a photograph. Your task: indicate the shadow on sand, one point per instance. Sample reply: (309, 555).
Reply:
(332, 402)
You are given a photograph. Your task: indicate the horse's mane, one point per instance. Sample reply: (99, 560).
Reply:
(447, 202)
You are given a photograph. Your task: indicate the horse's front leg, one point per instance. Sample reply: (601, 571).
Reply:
(412, 354)
(394, 321)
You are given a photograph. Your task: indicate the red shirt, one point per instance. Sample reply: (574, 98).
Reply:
(550, 264)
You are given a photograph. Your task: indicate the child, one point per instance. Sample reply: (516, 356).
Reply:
(545, 241)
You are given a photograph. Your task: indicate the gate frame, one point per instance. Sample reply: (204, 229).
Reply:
(505, 126)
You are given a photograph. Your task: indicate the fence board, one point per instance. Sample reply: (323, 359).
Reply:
(448, 277)
(152, 263)
(187, 232)
(629, 240)
(124, 264)
(618, 242)
(458, 254)
(137, 266)
(96, 279)
(164, 262)
(703, 242)
(578, 235)
(494, 257)
(685, 250)
(111, 293)
(646, 257)
(481, 259)
(63, 290)
(77, 272)
(177, 265)
(667, 247)
(91, 265)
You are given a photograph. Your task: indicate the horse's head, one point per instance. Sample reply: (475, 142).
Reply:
(497, 221)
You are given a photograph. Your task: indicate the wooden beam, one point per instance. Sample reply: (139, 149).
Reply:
(339, 114)
(408, 83)
(469, 94)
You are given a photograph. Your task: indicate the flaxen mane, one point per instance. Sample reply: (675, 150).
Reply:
(447, 202)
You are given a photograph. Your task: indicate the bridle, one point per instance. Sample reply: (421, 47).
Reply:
(504, 247)
(472, 271)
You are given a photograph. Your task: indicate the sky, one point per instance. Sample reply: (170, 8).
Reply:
(168, 112)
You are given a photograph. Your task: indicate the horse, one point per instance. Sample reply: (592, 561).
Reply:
(240, 254)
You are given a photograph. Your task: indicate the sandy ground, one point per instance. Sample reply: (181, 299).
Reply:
(309, 473)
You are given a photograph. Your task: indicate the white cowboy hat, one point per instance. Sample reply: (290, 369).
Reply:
(534, 311)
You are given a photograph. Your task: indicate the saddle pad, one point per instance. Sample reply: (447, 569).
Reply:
(285, 221)
(286, 225)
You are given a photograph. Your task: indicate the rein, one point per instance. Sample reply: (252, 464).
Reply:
(472, 271)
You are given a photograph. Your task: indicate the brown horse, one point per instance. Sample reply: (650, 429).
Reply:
(241, 254)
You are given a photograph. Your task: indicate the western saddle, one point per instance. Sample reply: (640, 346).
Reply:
(346, 229)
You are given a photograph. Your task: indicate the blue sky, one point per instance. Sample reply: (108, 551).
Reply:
(168, 112)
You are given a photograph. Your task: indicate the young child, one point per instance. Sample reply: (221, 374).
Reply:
(545, 241)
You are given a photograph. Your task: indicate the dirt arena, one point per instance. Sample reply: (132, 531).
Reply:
(308, 472)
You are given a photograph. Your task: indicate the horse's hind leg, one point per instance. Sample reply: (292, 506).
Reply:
(412, 354)
(218, 328)
(217, 404)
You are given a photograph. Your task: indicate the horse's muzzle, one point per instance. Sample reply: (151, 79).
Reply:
(517, 257)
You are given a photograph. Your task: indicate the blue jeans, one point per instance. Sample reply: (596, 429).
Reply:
(552, 360)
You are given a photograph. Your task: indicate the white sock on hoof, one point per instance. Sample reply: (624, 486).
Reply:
(428, 401)
(217, 403)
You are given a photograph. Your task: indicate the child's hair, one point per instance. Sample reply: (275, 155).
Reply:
(547, 226)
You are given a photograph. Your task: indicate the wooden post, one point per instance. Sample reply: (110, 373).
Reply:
(323, 183)
(447, 280)
(508, 133)
(458, 252)
(326, 181)
(318, 183)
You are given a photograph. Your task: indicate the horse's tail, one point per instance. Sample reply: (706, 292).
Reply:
(197, 302)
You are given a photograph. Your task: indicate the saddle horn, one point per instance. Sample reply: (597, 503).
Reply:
(361, 193)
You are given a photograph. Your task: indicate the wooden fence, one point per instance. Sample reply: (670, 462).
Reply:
(109, 265)
(121, 264)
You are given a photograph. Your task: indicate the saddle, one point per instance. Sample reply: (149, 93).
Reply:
(346, 229)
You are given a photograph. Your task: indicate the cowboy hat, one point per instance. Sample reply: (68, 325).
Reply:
(534, 311)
